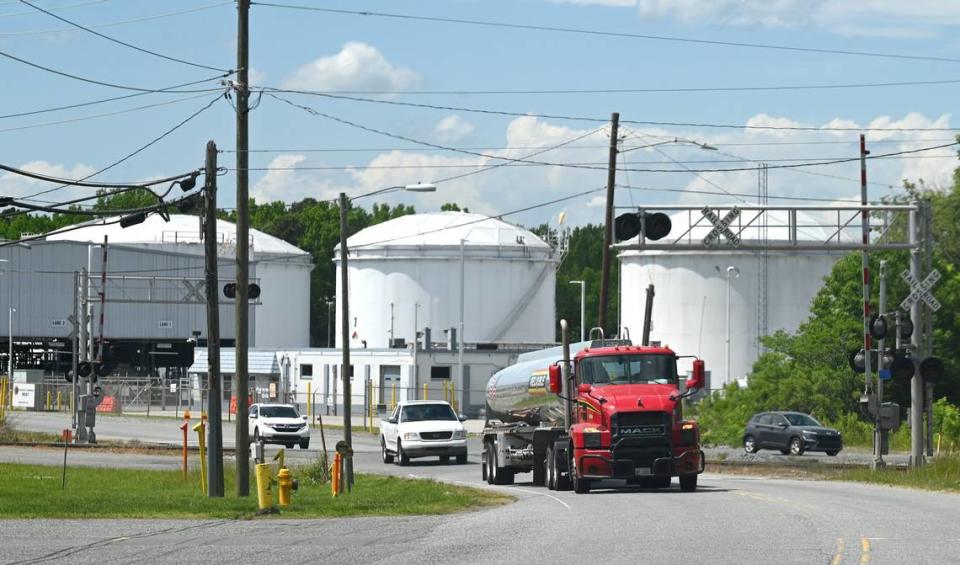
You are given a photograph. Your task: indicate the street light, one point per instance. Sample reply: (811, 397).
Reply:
(731, 273)
(583, 311)
(345, 307)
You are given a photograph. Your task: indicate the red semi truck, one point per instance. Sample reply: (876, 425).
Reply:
(615, 412)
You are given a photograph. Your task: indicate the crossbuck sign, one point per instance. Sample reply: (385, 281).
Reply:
(921, 290)
(721, 226)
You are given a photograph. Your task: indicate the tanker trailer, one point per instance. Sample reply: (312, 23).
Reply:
(616, 415)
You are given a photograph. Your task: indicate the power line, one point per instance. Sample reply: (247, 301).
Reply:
(737, 194)
(129, 155)
(108, 114)
(112, 99)
(674, 39)
(595, 120)
(124, 43)
(114, 23)
(90, 80)
(58, 8)
(674, 90)
(317, 113)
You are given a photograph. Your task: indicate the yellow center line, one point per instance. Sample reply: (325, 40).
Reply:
(865, 551)
(838, 556)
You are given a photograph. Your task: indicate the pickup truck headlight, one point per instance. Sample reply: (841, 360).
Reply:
(411, 435)
(459, 434)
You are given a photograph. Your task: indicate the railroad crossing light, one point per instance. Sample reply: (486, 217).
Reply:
(68, 374)
(902, 366)
(253, 290)
(102, 369)
(857, 361)
(654, 226)
(931, 369)
(878, 327)
(84, 369)
(906, 328)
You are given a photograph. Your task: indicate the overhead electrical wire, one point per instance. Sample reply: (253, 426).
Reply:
(124, 43)
(128, 156)
(317, 113)
(90, 80)
(601, 33)
(58, 8)
(593, 120)
(115, 23)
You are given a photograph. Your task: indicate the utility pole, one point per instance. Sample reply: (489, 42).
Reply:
(242, 381)
(878, 462)
(214, 393)
(917, 395)
(927, 207)
(865, 264)
(345, 335)
(608, 220)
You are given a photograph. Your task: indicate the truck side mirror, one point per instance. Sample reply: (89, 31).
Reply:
(697, 380)
(556, 383)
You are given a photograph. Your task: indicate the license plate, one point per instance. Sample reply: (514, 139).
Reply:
(642, 472)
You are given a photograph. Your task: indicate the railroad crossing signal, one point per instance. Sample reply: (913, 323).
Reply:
(920, 290)
(721, 227)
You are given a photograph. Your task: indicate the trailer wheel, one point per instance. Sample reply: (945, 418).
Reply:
(539, 472)
(484, 475)
(501, 475)
(688, 483)
(489, 462)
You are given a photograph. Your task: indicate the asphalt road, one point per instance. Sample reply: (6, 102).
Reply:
(728, 520)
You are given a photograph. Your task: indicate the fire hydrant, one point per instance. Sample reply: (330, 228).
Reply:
(287, 485)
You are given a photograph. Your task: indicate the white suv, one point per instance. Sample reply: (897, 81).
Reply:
(279, 423)
(423, 428)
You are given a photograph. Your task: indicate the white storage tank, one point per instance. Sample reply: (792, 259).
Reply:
(407, 274)
(768, 291)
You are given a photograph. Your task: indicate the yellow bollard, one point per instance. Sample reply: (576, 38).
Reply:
(58, 400)
(264, 493)
(309, 402)
(393, 397)
(285, 482)
(424, 391)
(49, 403)
(200, 429)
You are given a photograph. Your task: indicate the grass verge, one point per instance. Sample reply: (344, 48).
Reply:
(33, 491)
(941, 474)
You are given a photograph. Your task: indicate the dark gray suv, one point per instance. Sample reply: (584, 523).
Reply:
(790, 432)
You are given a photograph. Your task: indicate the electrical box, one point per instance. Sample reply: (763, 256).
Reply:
(890, 416)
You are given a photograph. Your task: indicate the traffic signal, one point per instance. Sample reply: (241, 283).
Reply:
(902, 366)
(931, 369)
(253, 290)
(653, 226)
(878, 327)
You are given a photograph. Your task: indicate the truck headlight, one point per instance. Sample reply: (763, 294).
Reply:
(411, 435)
(459, 434)
(591, 440)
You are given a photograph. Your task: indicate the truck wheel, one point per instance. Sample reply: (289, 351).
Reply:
(562, 479)
(551, 466)
(387, 457)
(489, 462)
(462, 459)
(501, 475)
(444, 459)
(580, 485)
(402, 458)
(688, 483)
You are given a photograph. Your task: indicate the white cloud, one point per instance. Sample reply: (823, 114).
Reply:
(12, 184)
(284, 182)
(358, 66)
(452, 129)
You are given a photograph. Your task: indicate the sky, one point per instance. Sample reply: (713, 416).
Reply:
(355, 103)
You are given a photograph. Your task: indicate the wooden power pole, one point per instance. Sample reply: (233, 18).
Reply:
(242, 380)
(345, 333)
(214, 392)
(608, 221)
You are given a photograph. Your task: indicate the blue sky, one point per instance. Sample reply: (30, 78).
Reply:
(400, 60)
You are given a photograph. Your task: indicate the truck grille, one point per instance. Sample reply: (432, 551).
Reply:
(435, 435)
(640, 424)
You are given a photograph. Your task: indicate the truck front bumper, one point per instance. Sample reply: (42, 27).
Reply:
(599, 464)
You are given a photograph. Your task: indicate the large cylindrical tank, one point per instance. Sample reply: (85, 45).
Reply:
(767, 292)
(408, 274)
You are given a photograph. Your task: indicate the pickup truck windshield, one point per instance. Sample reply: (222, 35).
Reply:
(628, 369)
(422, 412)
(278, 412)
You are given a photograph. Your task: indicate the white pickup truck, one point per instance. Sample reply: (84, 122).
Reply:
(423, 428)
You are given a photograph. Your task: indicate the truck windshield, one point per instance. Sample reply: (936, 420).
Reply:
(629, 369)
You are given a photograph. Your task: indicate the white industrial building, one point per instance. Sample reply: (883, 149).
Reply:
(153, 291)
(769, 291)
(443, 269)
